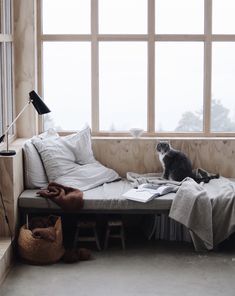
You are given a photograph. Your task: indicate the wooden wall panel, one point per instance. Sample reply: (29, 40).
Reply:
(138, 155)
(11, 185)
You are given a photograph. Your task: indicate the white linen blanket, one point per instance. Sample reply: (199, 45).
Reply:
(192, 208)
(207, 210)
(154, 178)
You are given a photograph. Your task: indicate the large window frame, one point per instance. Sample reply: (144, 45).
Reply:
(6, 66)
(151, 38)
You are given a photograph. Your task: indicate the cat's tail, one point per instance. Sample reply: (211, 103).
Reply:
(200, 175)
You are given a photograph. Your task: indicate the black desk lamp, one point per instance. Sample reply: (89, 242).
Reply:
(41, 108)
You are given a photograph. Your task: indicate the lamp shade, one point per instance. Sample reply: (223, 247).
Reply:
(38, 104)
(41, 108)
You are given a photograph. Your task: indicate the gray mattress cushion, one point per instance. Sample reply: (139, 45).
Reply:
(105, 197)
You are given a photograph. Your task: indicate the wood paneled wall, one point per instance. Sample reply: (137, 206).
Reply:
(138, 155)
(11, 185)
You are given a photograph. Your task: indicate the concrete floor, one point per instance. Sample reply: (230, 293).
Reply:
(144, 268)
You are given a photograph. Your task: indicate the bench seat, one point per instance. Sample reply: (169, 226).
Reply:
(106, 198)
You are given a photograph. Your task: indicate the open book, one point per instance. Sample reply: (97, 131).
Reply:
(147, 192)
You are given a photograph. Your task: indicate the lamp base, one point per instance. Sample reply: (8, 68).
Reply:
(7, 152)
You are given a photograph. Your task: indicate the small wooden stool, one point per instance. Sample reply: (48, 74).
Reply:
(115, 229)
(90, 226)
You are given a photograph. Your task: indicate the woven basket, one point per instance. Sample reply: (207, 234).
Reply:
(40, 251)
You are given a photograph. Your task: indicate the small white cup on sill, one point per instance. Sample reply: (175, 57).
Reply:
(136, 132)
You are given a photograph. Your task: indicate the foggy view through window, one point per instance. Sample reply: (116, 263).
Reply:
(123, 85)
(179, 83)
(117, 70)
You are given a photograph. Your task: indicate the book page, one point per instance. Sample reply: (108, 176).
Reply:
(156, 189)
(141, 196)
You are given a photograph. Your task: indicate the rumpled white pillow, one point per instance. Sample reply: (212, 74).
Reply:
(34, 172)
(80, 144)
(69, 161)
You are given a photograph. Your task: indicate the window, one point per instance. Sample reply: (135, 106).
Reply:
(122, 17)
(166, 66)
(223, 92)
(123, 68)
(6, 65)
(179, 17)
(180, 66)
(72, 102)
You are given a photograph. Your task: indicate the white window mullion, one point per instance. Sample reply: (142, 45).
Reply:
(119, 37)
(94, 66)
(207, 66)
(223, 38)
(151, 66)
(179, 37)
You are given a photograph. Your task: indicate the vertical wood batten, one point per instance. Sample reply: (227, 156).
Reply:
(94, 67)
(25, 64)
(151, 67)
(13, 59)
(207, 66)
(39, 77)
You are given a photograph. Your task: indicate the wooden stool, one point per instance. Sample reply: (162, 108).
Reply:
(114, 229)
(92, 236)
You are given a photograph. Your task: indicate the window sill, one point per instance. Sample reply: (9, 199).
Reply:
(156, 138)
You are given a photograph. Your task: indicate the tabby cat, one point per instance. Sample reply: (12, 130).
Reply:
(177, 166)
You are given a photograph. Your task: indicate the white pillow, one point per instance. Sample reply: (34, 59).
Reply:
(61, 156)
(80, 144)
(86, 176)
(34, 172)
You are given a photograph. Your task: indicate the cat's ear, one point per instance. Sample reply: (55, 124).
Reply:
(167, 142)
(157, 145)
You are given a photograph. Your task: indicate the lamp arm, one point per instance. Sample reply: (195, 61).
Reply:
(8, 128)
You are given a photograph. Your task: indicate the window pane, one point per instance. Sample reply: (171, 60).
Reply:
(66, 17)
(223, 17)
(179, 86)
(179, 17)
(67, 83)
(8, 27)
(123, 17)
(123, 85)
(223, 92)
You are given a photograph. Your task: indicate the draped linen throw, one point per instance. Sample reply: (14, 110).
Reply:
(206, 209)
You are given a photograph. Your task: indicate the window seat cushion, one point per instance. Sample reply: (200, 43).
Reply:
(107, 197)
